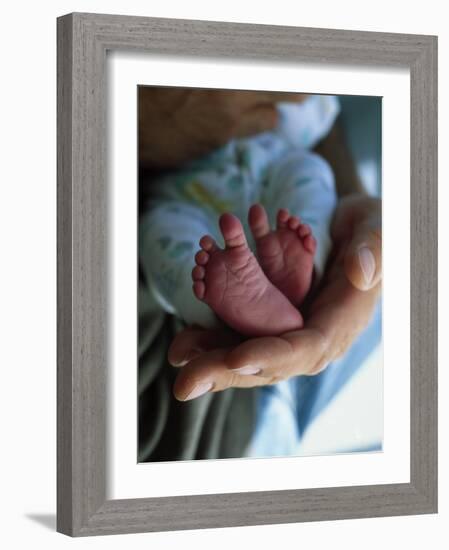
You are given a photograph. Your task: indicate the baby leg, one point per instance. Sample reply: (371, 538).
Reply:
(169, 233)
(302, 182)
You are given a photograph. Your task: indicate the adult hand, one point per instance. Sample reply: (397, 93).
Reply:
(342, 308)
(180, 124)
(357, 234)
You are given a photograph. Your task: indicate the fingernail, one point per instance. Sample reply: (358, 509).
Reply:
(194, 352)
(249, 369)
(198, 390)
(367, 263)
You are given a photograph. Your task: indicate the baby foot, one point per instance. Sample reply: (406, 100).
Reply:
(286, 254)
(232, 283)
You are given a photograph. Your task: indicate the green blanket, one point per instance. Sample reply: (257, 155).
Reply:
(216, 425)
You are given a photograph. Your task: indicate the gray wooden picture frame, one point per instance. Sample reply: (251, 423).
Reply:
(83, 40)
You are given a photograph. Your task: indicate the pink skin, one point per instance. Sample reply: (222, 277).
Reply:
(232, 283)
(285, 254)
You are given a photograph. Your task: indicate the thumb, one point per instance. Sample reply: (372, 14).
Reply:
(363, 258)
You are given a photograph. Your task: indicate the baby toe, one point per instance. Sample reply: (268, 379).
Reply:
(232, 230)
(207, 243)
(293, 223)
(198, 273)
(282, 218)
(201, 257)
(304, 230)
(258, 221)
(199, 289)
(310, 243)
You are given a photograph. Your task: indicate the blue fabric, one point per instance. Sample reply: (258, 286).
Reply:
(286, 410)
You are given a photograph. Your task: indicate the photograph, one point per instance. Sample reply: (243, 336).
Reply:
(259, 274)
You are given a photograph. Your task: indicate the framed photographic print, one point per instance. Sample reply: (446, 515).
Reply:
(238, 344)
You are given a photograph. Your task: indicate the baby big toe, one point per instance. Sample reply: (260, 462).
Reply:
(258, 221)
(232, 231)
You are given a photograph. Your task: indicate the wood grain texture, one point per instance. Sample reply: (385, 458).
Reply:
(423, 274)
(64, 278)
(83, 40)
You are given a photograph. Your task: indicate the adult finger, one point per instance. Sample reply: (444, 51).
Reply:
(192, 341)
(291, 97)
(279, 358)
(256, 120)
(261, 113)
(363, 258)
(251, 98)
(209, 373)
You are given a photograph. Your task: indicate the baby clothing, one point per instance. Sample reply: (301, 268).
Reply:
(276, 169)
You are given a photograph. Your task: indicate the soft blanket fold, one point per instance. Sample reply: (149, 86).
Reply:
(216, 425)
